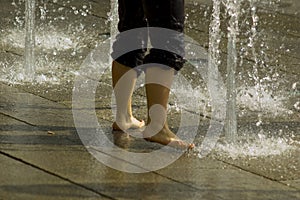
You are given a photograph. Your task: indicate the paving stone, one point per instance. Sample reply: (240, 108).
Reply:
(42, 156)
(22, 181)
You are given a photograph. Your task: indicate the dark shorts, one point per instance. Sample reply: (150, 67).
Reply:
(135, 14)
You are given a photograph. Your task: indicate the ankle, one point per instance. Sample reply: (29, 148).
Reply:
(124, 118)
(154, 128)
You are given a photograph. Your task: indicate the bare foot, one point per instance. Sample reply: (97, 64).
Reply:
(132, 124)
(167, 137)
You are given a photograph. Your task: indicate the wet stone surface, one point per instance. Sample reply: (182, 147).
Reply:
(43, 157)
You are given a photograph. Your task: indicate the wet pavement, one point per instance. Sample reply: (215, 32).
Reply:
(42, 156)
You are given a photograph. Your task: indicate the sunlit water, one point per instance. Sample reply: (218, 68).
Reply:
(52, 52)
(258, 97)
(113, 19)
(251, 143)
(233, 10)
(47, 69)
(29, 65)
(50, 40)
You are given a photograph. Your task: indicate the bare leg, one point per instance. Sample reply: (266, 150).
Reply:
(157, 129)
(124, 80)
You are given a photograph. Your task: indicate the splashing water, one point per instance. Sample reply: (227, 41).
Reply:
(52, 52)
(113, 19)
(261, 146)
(251, 44)
(273, 105)
(29, 40)
(257, 97)
(48, 67)
(45, 41)
(233, 8)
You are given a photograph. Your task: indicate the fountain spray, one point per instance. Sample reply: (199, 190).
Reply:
(113, 19)
(232, 7)
(29, 68)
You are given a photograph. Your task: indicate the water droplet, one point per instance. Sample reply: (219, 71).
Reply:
(297, 105)
(258, 123)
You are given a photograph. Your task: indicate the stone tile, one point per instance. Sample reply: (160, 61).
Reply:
(36, 122)
(226, 182)
(293, 183)
(22, 181)
(33, 109)
(76, 164)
